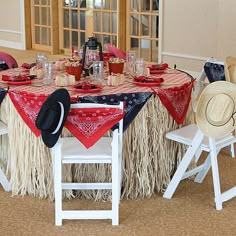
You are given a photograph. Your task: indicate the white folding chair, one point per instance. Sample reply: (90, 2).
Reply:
(195, 141)
(69, 150)
(3, 179)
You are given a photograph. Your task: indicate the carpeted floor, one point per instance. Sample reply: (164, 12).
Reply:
(191, 211)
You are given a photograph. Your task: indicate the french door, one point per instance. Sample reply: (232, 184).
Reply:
(59, 25)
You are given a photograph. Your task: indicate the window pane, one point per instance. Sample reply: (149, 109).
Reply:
(49, 17)
(97, 22)
(66, 39)
(75, 39)
(114, 40)
(145, 45)
(155, 6)
(134, 24)
(37, 35)
(106, 22)
(36, 1)
(66, 3)
(66, 18)
(49, 37)
(44, 16)
(145, 25)
(74, 3)
(82, 38)
(36, 15)
(44, 2)
(106, 39)
(97, 4)
(114, 4)
(83, 4)
(155, 22)
(82, 20)
(74, 19)
(99, 38)
(134, 5)
(44, 36)
(106, 4)
(134, 43)
(145, 5)
(154, 56)
(114, 23)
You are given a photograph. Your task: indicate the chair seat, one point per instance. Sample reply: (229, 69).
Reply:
(74, 151)
(186, 134)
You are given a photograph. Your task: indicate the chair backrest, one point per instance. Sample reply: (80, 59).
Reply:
(213, 70)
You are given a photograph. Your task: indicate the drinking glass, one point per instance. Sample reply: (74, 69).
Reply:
(139, 67)
(41, 58)
(47, 73)
(130, 60)
(97, 71)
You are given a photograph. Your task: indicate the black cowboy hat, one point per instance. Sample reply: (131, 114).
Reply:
(52, 116)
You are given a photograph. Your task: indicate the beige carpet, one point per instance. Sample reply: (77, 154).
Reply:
(191, 211)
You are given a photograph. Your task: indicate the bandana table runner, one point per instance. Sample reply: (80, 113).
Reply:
(176, 100)
(89, 124)
(133, 101)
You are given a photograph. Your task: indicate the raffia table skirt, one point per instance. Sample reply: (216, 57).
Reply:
(149, 159)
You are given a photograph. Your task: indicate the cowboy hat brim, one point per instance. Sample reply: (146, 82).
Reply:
(56, 108)
(213, 89)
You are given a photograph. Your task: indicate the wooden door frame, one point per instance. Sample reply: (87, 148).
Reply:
(54, 48)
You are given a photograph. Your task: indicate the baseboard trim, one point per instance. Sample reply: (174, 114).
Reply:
(184, 56)
(14, 45)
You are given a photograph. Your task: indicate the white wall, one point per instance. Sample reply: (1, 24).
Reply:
(194, 30)
(12, 31)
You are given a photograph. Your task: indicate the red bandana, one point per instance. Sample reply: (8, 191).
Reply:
(89, 124)
(28, 106)
(176, 100)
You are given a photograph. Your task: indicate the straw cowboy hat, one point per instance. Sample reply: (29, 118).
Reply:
(216, 109)
(230, 69)
(52, 116)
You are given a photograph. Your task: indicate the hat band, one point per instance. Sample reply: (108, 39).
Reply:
(231, 117)
(61, 119)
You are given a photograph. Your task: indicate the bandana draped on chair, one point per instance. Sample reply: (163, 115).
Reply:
(176, 100)
(89, 124)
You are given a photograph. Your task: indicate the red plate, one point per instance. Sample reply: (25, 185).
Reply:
(19, 82)
(156, 82)
(92, 90)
